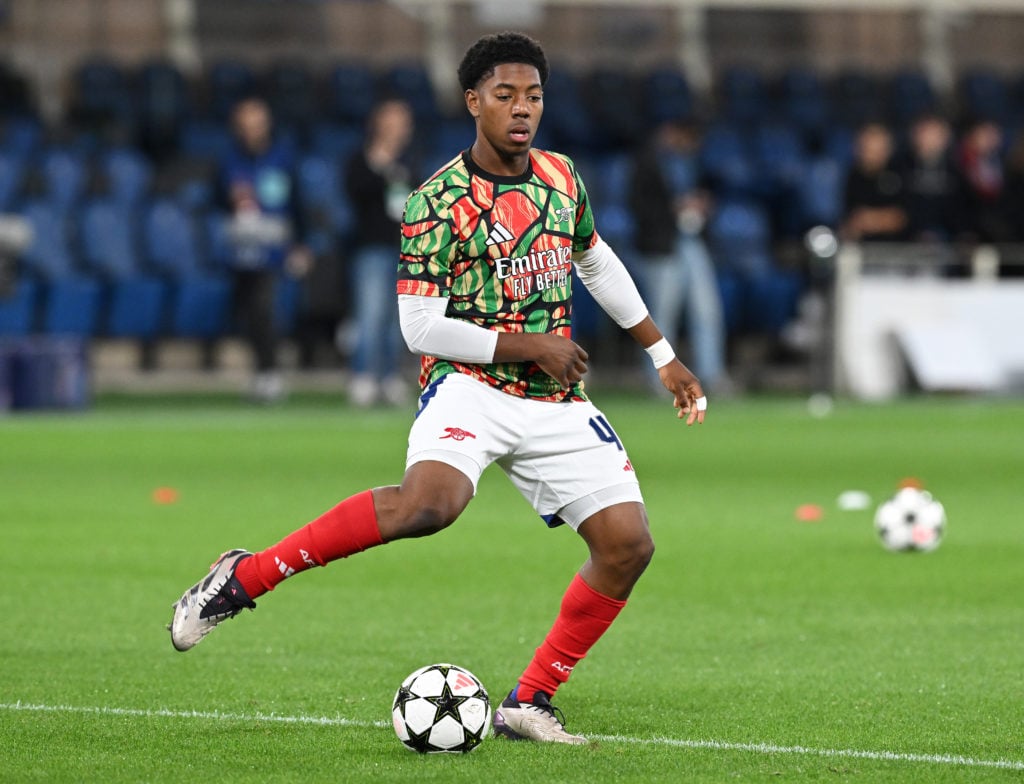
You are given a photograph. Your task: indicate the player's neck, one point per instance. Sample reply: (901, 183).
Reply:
(494, 162)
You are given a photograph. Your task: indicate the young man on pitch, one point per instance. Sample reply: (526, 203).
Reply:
(488, 246)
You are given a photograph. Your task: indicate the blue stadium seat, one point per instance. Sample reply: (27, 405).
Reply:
(106, 232)
(17, 311)
(323, 200)
(170, 239)
(204, 139)
(102, 96)
(351, 92)
(820, 199)
(666, 95)
(200, 307)
(726, 157)
(49, 254)
(71, 306)
(162, 104)
(291, 93)
(744, 96)
(780, 154)
(128, 175)
(566, 119)
(227, 82)
(855, 98)
(199, 298)
(20, 136)
(335, 141)
(803, 100)
(741, 238)
(65, 176)
(134, 307)
(615, 105)
(411, 82)
(910, 95)
(12, 173)
(985, 95)
(109, 248)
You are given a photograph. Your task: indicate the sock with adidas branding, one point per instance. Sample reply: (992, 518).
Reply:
(584, 616)
(348, 528)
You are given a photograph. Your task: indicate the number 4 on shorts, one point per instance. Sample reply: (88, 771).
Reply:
(604, 431)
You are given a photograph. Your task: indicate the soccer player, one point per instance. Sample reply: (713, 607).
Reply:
(488, 245)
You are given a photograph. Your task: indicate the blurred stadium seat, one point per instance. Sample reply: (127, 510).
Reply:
(65, 176)
(49, 255)
(12, 173)
(351, 92)
(17, 310)
(127, 175)
(227, 82)
(666, 95)
(743, 95)
(199, 296)
(984, 95)
(910, 95)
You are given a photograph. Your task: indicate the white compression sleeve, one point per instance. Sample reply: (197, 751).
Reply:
(427, 330)
(606, 278)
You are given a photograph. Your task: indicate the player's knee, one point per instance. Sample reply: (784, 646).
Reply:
(631, 557)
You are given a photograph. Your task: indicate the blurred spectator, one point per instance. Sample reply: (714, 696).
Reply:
(981, 166)
(874, 190)
(379, 179)
(259, 190)
(931, 182)
(1013, 188)
(670, 207)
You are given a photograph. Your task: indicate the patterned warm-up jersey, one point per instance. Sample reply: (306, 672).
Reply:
(500, 248)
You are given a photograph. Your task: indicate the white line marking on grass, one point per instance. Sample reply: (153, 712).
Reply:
(337, 721)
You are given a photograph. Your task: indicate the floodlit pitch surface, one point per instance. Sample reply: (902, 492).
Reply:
(756, 647)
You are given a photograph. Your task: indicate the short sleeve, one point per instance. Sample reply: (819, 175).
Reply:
(428, 248)
(585, 236)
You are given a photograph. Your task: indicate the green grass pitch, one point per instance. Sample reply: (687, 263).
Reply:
(756, 648)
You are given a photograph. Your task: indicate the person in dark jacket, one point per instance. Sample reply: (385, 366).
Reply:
(379, 179)
(670, 207)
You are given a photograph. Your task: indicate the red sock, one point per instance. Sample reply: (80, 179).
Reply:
(584, 617)
(348, 528)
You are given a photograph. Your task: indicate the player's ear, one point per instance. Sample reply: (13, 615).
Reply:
(473, 102)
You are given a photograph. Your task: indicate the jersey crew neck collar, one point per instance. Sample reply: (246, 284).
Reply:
(498, 179)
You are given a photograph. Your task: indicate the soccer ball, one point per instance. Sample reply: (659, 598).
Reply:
(440, 708)
(911, 520)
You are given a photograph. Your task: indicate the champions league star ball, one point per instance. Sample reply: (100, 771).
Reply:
(911, 520)
(441, 708)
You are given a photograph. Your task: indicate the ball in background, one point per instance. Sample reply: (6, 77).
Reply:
(911, 521)
(441, 708)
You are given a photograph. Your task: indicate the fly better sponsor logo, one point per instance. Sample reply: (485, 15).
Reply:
(536, 271)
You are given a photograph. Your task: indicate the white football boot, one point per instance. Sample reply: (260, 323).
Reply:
(215, 598)
(537, 720)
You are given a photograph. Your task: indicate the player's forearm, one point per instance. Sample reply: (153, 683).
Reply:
(646, 333)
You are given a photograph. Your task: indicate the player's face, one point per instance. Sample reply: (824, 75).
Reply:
(507, 107)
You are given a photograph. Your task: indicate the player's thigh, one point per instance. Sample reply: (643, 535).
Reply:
(461, 423)
(572, 464)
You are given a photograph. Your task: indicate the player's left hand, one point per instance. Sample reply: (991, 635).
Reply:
(687, 395)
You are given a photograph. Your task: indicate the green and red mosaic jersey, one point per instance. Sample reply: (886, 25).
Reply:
(500, 248)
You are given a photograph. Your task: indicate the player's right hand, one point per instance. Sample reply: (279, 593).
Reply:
(561, 359)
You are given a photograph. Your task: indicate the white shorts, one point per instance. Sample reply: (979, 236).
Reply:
(563, 457)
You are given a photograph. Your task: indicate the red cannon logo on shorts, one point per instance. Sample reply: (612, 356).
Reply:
(457, 433)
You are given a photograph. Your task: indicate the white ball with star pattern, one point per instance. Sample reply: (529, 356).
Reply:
(441, 708)
(911, 521)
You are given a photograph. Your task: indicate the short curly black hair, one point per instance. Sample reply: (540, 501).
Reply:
(493, 50)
